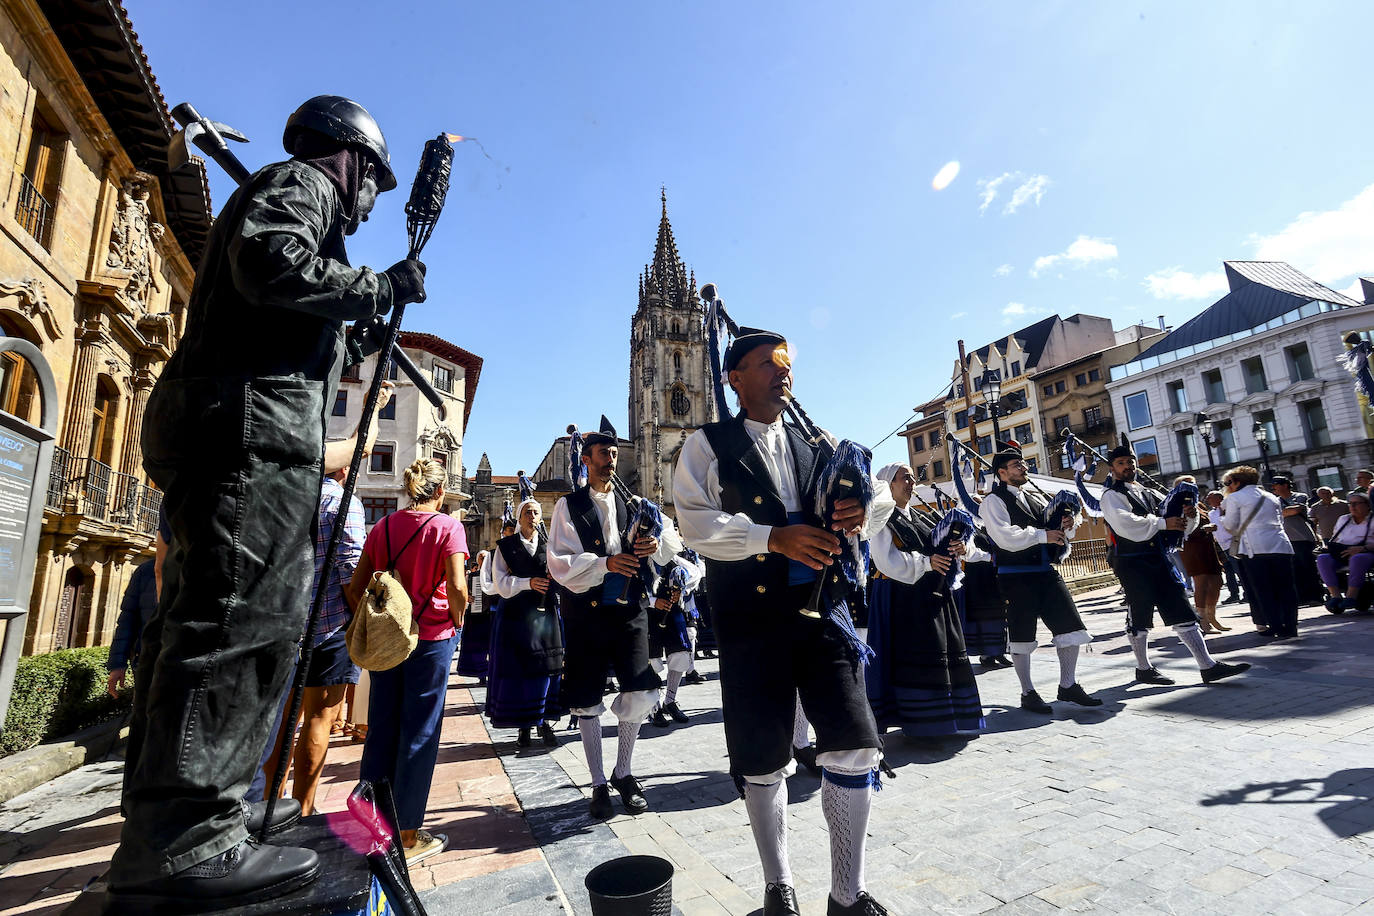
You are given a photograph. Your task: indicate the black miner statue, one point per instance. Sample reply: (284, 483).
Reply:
(234, 436)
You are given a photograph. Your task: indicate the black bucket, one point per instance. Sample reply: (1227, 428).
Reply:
(632, 886)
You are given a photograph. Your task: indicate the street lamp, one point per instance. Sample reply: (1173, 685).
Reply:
(1262, 437)
(992, 393)
(1204, 429)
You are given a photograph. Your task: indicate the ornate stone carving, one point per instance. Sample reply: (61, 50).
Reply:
(33, 302)
(133, 240)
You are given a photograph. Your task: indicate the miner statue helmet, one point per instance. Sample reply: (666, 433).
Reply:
(347, 122)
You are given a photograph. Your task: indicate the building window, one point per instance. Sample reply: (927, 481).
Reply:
(1314, 424)
(1060, 424)
(340, 403)
(42, 177)
(1265, 418)
(1092, 417)
(1063, 460)
(1137, 410)
(391, 370)
(1187, 449)
(677, 358)
(961, 420)
(352, 373)
(1023, 434)
(1015, 368)
(1253, 370)
(1146, 452)
(1013, 402)
(918, 442)
(1224, 438)
(389, 411)
(1299, 362)
(985, 445)
(1080, 379)
(18, 385)
(1048, 390)
(1212, 387)
(1094, 375)
(1060, 387)
(101, 446)
(1178, 397)
(376, 508)
(383, 460)
(680, 405)
(1033, 465)
(443, 378)
(939, 469)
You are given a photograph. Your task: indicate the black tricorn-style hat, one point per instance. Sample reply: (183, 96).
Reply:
(604, 435)
(748, 339)
(1006, 453)
(1121, 451)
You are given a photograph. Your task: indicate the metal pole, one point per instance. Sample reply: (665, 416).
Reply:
(1207, 440)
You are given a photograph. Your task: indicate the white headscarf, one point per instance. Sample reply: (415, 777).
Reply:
(889, 472)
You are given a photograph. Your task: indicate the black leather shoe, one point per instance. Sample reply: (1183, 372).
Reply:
(600, 807)
(1076, 694)
(676, 712)
(1222, 670)
(693, 678)
(806, 756)
(546, 733)
(780, 900)
(864, 906)
(523, 739)
(1151, 675)
(631, 794)
(247, 873)
(1002, 661)
(658, 719)
(1031, 702)
(284, 816)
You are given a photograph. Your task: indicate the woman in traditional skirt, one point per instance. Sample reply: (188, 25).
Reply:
(920, 678)
(984, 609)
(527, 638)
(474, 649)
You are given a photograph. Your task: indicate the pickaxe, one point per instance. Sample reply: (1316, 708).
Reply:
(364, 338)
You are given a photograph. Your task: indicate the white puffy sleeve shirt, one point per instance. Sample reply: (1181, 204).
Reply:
(508, 584)
(896, 563)
(579, 570)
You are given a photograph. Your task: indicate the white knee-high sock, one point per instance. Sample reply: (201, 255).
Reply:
(846, 809)
(1021, 662)
(1068, 665)
(674, 679)
(767, 807)
(628, 732)
(590, 726)
(1191, 637)
(1140, 645)
(800, 727)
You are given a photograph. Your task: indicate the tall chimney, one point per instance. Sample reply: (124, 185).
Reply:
(1161, 323)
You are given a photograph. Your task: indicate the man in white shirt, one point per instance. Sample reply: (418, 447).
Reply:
(1025, 550)
(743, 492)
(1147, 577)
(605, 624)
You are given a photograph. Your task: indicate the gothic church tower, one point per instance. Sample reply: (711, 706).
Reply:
(670, 370)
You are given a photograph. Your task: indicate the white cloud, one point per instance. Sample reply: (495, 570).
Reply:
(1016, 308)
(1003, 271)
(1330, 245)
(1083, 251)
(1176, 283)
(1030, 190)
(1015, 311)
(987, 189)
(957, 315)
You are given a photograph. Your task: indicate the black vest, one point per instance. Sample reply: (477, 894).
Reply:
(746, 487)
(912, 535)
(1125, 547)
(1035, 555)
(521, 563)
(582, 513)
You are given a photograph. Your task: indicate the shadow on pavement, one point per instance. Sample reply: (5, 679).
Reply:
(1350, 793)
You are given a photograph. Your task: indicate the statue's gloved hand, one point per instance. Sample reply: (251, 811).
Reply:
(407, 281)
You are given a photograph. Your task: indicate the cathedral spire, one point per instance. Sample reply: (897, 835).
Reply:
(666, 276)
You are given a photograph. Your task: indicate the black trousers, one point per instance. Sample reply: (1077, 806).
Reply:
(1305, 577)
(1038, 596)
(1149, 583)
(1273, 598)
(218, 652)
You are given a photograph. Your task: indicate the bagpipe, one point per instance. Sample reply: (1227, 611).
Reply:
(846, 473)
(1070, 441)
(672, 586)
(1177, 501)
(1059, 506)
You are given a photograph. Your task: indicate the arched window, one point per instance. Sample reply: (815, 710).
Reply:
(677, 361)
(677, 328)
(19, 393)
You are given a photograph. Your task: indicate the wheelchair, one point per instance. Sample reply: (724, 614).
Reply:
(1364, 598)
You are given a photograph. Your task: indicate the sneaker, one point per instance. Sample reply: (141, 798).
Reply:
(1031, 702)
(546, 733)
(1151, 675)
(247, 873)
(658, 719)
(676, 712)
(806, 756)
(631, 794)
(864, 906)
(780, 900)
(426, 844)
(1222, 670)
(600, 808)
(1076, 694)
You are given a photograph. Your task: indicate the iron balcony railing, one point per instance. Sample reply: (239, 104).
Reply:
(58, 476)
(107, 496)
(95, 480)
(149, 505)
(33, 211)
(126, 490)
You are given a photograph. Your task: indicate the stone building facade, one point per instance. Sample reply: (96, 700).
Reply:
(98, 241)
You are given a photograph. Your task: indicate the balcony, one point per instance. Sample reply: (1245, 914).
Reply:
(34, 212)
(92, 489)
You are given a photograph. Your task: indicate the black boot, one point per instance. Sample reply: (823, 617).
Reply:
(284, 816)
(246, 873)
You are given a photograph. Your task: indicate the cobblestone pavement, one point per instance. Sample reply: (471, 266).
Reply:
(1251, 796)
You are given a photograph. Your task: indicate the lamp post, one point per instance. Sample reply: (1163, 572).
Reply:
(1204, 428)
(1262, 437)
(992, 393)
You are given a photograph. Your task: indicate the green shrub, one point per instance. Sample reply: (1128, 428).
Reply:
(59, 693)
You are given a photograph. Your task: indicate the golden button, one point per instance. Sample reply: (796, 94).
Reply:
(761, 557)
(758, 500)
(760, 589)
(597, 542)
(593, 603)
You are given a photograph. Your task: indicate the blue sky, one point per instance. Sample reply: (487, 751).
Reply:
(798, 143)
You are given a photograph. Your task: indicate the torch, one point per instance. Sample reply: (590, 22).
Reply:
(427, 196)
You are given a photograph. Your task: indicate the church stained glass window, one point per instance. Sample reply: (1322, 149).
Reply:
(680, 404)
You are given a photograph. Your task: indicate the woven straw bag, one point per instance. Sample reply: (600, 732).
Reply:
(385, 627)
